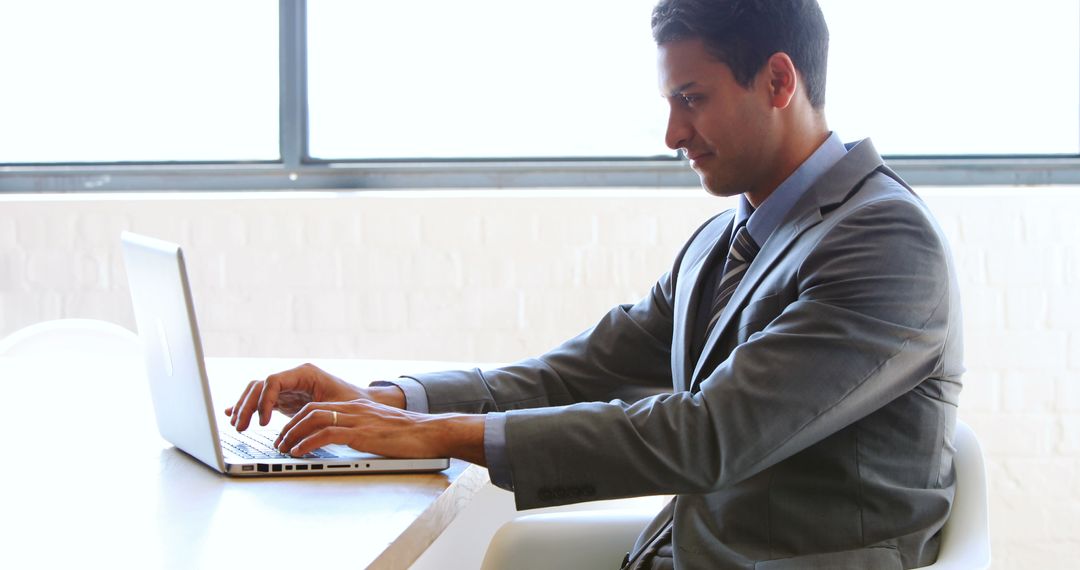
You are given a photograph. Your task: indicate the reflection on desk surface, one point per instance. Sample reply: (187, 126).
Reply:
(100, 486)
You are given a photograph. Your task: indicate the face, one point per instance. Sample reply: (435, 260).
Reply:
(723, 128)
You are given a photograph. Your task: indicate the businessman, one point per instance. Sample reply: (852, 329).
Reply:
(808, 341)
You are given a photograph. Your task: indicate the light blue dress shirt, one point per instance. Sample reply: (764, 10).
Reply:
(767, 217)
(760, 222)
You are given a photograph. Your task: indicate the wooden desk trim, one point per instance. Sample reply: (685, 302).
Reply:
(433, 521)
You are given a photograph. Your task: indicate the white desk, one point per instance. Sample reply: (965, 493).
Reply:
(69, 497)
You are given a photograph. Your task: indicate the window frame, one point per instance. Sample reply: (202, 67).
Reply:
(297, 170)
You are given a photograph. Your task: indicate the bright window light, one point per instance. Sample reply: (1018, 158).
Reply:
(483, 78)
(159, 81)
(138, 80)
(956, 77)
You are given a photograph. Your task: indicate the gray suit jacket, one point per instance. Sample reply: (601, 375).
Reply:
(815, 430)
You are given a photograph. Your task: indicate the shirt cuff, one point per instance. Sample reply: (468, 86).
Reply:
(498, 463)
(416, 399)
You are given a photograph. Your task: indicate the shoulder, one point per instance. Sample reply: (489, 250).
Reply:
(882, 202)
(883, 224)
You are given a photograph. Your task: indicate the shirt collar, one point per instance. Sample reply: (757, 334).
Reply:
(762, 221)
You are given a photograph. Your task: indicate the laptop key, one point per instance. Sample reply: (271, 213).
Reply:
(260, 445)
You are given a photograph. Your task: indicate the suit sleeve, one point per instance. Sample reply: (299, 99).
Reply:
(627, 353)
(627, 356)
(866, 323)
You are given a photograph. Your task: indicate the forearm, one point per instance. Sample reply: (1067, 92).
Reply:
(619, 358)
(459, 435)
(386, 394)
(454, 432)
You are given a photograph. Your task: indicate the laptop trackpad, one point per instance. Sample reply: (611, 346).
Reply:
(346, 452)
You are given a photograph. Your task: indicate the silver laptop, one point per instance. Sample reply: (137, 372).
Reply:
(180, 389)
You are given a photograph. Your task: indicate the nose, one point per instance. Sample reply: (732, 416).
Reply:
(679, 132)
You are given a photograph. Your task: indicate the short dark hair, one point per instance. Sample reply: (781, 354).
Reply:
(744, 34)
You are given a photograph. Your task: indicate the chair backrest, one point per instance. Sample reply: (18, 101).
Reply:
(87, 338)
(965, 539)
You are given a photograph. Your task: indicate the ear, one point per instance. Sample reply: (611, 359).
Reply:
(782, 79)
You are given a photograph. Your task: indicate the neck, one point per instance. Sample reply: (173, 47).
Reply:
(795, 145)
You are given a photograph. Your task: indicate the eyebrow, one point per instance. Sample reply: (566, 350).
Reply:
(682, 88)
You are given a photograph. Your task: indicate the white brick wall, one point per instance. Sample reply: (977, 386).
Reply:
(498, 275)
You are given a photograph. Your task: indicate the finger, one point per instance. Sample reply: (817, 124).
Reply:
(268, 398)
(234, 410)
(313, 420)
(321, 438)
(293, 421)
(247, 408)
(324, 411)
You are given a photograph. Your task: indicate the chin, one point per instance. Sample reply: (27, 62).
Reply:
(716, 188)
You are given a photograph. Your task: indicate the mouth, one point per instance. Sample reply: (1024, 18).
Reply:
(697, 157)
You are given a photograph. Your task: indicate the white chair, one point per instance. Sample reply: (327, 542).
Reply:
(69, 338)
(965, 539)
(599, 539)
(580, 539)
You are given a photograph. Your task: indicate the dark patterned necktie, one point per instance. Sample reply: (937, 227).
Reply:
(743, 250)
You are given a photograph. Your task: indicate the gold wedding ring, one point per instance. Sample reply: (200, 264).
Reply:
(335, 417)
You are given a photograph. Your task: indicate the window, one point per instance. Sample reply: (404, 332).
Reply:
(128, 94)
(962, 77)
(130, 80)
(483, 78)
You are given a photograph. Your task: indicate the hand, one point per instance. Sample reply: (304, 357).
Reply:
(384, 430)
(288, 391)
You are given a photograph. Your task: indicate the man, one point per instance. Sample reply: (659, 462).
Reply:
(810, 340)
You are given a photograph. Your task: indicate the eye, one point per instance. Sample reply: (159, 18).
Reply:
(690, 100)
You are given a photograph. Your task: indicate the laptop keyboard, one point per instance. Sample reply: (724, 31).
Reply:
(260, 445)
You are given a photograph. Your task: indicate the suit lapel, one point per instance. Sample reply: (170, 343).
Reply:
(686, 304)
(832, 189)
